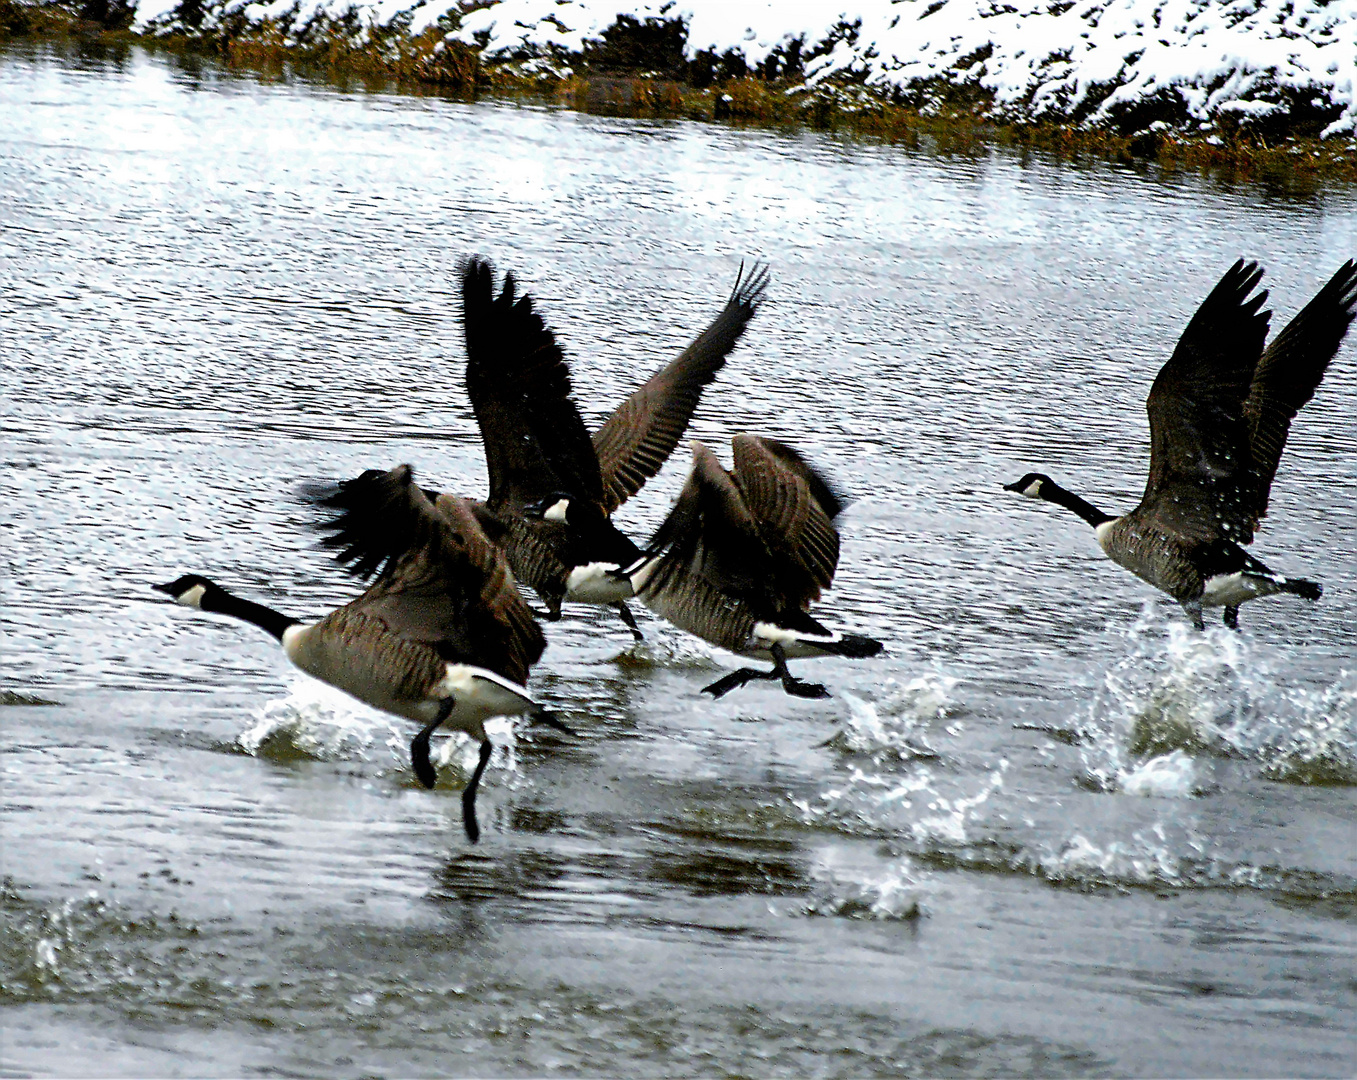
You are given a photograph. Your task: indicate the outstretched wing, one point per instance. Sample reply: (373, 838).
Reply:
(795, 509)
(710, 534)
(635, 442)
(1200, 484)
(1289, 373)
(536, 443)
(440, 581)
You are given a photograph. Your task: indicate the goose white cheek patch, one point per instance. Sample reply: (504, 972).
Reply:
(556, 511)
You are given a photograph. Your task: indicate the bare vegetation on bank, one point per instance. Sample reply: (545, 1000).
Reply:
(639, 68)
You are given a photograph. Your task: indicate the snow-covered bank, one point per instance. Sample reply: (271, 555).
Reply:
(1277, 65)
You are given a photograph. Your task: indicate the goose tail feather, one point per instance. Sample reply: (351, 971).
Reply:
(1309, 590)
(855, 646)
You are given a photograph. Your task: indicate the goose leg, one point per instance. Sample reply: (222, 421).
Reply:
(1232, 616)
(419, 746)
(473, 830)
(790, 683)
(553, 611)
(1194, 612)
(724, 685)
(629, 619)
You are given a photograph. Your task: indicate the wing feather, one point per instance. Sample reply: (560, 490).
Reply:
(1290, 371)
(1200, 484)
(795, 508)
(710, 534)
(518, 381)
(637, 439)
(440, 580)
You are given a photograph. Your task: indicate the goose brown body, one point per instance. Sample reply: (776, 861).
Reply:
(441, 636)
(743, 555)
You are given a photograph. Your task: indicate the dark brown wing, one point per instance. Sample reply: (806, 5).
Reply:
(440, 582)
(635, 442)
(795, 509)
(536, 443)
(1200, 484)
(710, 536)
(1290, 371)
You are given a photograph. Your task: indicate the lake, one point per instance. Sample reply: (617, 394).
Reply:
(1051, 831)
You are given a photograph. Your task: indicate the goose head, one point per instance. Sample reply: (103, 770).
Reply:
(579, 514)
(1031, 485)
(188, 590)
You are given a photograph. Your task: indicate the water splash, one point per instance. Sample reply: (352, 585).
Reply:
(1146, 859)
(946, 820)
(897, 722)
(665, 648)
(888, 894)
(81, 945)
(316, 722)
(1170, 776)
(1213, 694)
(1320, 745)
(460, 751)
(911, 806)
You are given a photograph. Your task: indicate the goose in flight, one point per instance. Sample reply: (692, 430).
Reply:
(555, 486)
(441, 637)
(743, 554)
(1219, 410)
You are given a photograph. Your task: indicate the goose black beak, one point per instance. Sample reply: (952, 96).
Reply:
(167, 588)
(1015, 486)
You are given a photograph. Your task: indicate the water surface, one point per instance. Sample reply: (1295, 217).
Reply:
(1051, 831)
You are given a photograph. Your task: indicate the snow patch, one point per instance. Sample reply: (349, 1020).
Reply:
(1086, 59)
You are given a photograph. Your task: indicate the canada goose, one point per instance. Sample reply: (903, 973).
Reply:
(1220, 410)
(554, 486)
(442, 637)
(743, 554)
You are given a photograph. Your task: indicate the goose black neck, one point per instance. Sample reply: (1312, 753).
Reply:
(224, 603)
(1054, 493)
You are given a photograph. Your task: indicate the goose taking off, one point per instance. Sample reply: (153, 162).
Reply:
(555, 486)
(1220, 410)
(442, 637)
(743, 554)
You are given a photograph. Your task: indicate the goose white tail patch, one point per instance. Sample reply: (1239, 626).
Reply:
(293, 638)
(597, 583)
(1234, 589)
(478, 694)
(795, 643)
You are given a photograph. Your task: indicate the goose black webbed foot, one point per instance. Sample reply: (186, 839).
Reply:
(724, 685)
(629, 619)
(790, 683)
(1231, 617)
(1194, 612)
(473, 829)
(798, 688)
(419, 747)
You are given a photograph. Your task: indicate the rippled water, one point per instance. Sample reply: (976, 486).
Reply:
(1052, 831)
